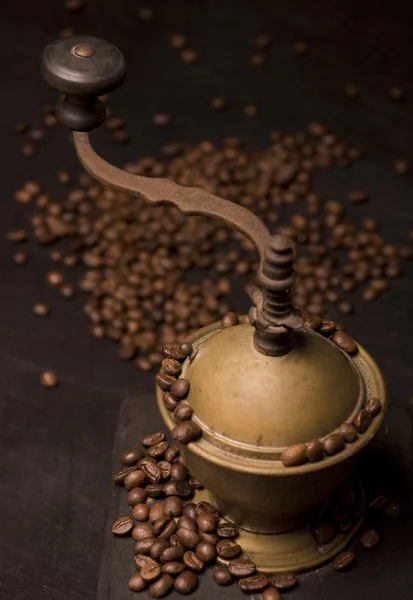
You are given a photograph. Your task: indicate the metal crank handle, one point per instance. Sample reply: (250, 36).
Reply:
(83, 68)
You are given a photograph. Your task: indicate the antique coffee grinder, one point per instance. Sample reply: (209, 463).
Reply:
(280, 404)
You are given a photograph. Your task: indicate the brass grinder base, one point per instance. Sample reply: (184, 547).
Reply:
(296, 550)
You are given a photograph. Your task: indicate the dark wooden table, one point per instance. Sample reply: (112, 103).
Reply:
(56, 445)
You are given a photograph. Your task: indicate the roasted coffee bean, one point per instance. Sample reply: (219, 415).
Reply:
(190, 510)
(369, 538)
(172, 554)
(172, 453)
(228, 549)
(122, 526)
(229, 320)
(136, 495)
(165, 469)
(136, 478)
(154, 438)
(188, 538)
(136, 583)
(348, 432)
(143, 560)
(151, 573)
(142, 531)
(373, 406)
(311, 321)
(379, 502)
(185, 349)
(171, 367)
(158, 547)
(179, 472)
(169, 530)
(242, 567)
(180, 388)
(152, 471)
(327, 327)
(345, 342)
(206, 551)
(120, 477)
(212, 538)
(344, 561)
(362, 421)
(209, 509)
(172, 351)
(324, 532)
(140, 512)
(183, 412)
(21, 257)
(333, 444)
(155, 490)
(227, 530)
(294, 456)
(283, 581)
(160, 524)
(207, 522)
(195, 484)
(143, 547)
(160, 588)
(158, 450)
(165, 381)
(182, 489)
(185, 432)
(186, 583)
(222, 576)
(131, 457)
(192, 562)
(271, 593)
(256, 583)
(170, 401)
(392, 508)
(173, 568)
(49, 379)
(314, 451)
(156, 512)
(54, 278)
(173, 506)
(41, 310)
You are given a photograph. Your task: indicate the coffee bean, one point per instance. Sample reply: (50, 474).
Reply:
(172, 351)
(172, 554)
(229, 320)
(158, 547)
(195, 484)
(151, 573)
(283, 581)
(397, 93)
(136, 495)
(301, 49)
(345, 342)
(208, 508)
(392, 508)
(333, 444)
(49, 379)
(173, 506)
(190, 510)
(327, 328)
(160, 524)
(185, 348)
(351, 91)
(120, 477)
(187, 522)
(271, 593)
(145, 13)
(156, 512)
(182, 489)
(186, 432)
(348, 432)
(218, 103)
(183, 412)
(136, 478)
(186, 583)
(143, 547)
(362, 421)
(160, 588)
(169, 530)
(228, 549)
(170, 401)
(189, 56)
(165, 381)
(323, 532)
(143, 560)
(179, 472)
(122, 526)
(369, 538)
(222, 576)
(314, 451)
(136, 583)
(242, 567)
(173, 568)
(21, 257)
(256, 583)
(294, 456)
(171, 367)
(140, 512)
(165, 469)
(206, 551)
(188, 538)
(311, 321)
(177, 41)
(142, 531)
(152, 471)
(155, 490)
(180, 388)
(158, 450)
(373, 406)
(161, 119)
(207, 523)
(172, 453)
(212, 538)
(344, 561)
(192, 562)
(154, 438)
(131, 457)
(227, 530)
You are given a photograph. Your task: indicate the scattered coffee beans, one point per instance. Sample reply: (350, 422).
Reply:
(122, 526)
(49, 379)
(344, 561)
(186, 582)
(284, 581)
(369, 538)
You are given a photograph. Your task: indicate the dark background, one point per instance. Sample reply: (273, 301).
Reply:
(55, 448)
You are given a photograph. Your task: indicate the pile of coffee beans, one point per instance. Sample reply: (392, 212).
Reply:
(138, 259)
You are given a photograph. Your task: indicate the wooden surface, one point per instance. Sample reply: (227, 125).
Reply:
(384, 573)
